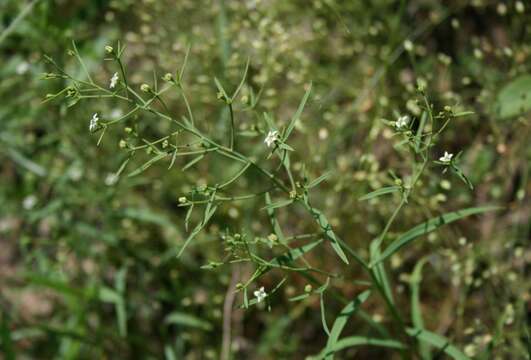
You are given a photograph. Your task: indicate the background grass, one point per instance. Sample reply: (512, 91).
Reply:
(87, 269)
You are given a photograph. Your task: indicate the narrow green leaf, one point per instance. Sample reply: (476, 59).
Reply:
(438, 341)
(242, 82)
(379, 271)
(298, 113)
(221, 89)
(341, 321)
(327, 228)
(416, 313)
(286, 258)
(210, 209)
(299, 297)
(420, 131)
(293, 254)
(185, 61)
(429, 226)
(382, 191)
(462, 176)
(149, 216)
(323, 313)
(236, 176)
(193, 162)
(169, 353)
(352, 341)
(26, 163)
(278, 204)
(273, 219)
(59, 286)
(319, 180)
(147, 164)
(187, 320)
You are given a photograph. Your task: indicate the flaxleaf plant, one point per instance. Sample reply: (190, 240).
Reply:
(281, 187)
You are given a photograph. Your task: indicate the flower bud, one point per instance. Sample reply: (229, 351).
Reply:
(145, 88)
(168, 77)
(109, 49)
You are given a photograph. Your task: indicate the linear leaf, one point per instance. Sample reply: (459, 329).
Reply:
(193, 162)
(319, 180)
(379, 271)
(382, 191)
(286, 258)
(429, 226)
(278, 204)
(341, 321)
(352, 341)
(416, 314)
(293, 254)
(298, 112)
(440, 342)
(274, 221)
(147, 164)
(187, 320)
(210, 209)
(327, 228)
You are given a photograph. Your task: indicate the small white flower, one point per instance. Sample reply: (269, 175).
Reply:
(114, 80)
(271, 137)
(111, 179)
(402, 122)
(94, 122)
(29, 202)
(260, 294)
(22, 68)
(446, 158)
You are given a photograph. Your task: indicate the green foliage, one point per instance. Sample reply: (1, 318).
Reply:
(236, 179)
(514, 98)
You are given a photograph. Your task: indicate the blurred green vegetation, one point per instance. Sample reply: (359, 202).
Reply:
(87, 261)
